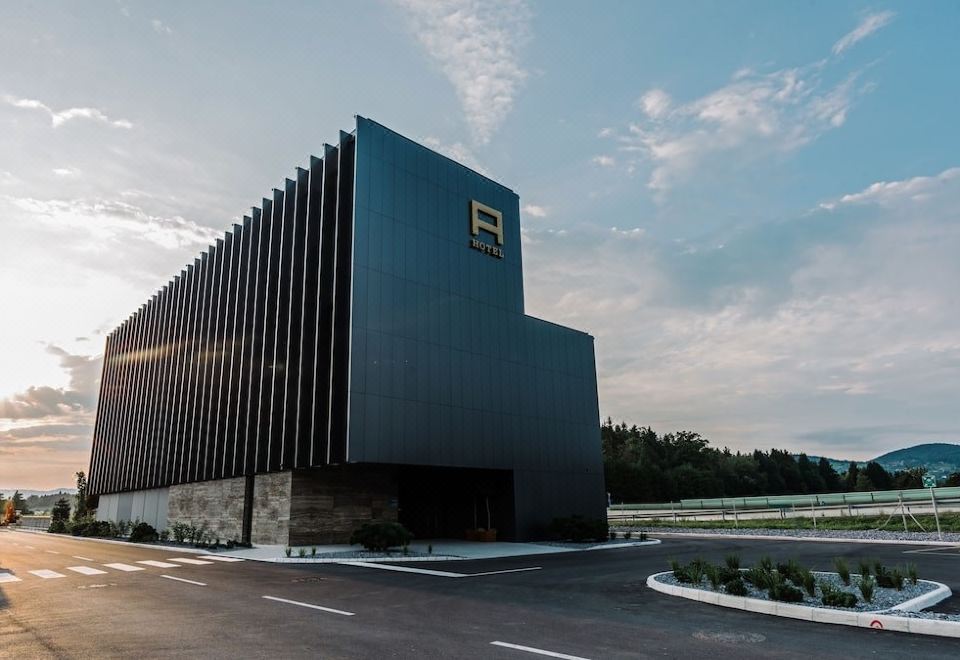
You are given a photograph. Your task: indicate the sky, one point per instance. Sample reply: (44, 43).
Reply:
(754, 207)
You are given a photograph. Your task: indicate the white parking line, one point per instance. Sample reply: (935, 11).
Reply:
(83, 558)
(530, 649)
(8, 577)
(312, 607)
(199, 584)
(125, 567)
(86, 570)
(47, 574)
(158, 564)
(219, 558)
(427, 571)
(52, 552)
(187, 560)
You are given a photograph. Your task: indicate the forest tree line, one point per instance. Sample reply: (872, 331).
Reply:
(642, 466)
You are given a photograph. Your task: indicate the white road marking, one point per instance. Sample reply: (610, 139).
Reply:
(47, 574)
(312, 607)
(530, 649)
(187, 560)
(402, 569)
(125, 567)
(8, 577)
(170, 577)
(158, 564)
(427, 571)
(52, 552)
(85, 570)
(83, 558)
(219, 558)
(509, 570)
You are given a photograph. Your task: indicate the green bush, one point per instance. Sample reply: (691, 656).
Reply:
(759, 577)
(733, 562)
(793, 571)
(143, 533)
(912, 573)
(867, 586)
(59, 517)
(179, 531)
(380, 536)
(578, 528)
(287, 551)
(713, 576)
(765, 563)
(785, 593)
(736, 588)
(810, 584)
(836, 598)
(864, 568)
(843, 569)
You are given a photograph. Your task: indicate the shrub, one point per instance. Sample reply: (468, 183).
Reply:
(759, 577)
(313, 551)
(867, 586)
(810, 584)
(643, 536)
(897, 577)
(728, 574)
(164, 535)
(628, 535)
(302, 552)
(733, 562)
(843, 570)
(912, 573)
(123, 527)
(836, 598)
(864, 569)
(143, 533)
(736, 588)
(785, 593)
(578, 528)
(793, 571)
(179, 531)
(613, 535)
(57, 527)
(287, 551)
(713, 575)
(380, 536)
(60, 516)
(765, 563)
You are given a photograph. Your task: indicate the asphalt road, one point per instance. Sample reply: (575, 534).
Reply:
(583, 605)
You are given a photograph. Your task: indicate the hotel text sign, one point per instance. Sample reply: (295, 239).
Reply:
(489, 220)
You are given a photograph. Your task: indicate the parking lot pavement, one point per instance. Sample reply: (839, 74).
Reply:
(577, 605)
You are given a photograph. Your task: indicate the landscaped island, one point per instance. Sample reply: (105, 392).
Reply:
(876, 596)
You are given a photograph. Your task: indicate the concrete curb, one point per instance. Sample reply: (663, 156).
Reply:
(815, 539)
(395, 558)
(880, 620)
(154, 546)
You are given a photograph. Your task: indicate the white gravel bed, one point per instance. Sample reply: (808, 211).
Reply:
(883, 598)
(868, 535)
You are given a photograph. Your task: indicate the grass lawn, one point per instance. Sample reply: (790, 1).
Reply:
(949, 522)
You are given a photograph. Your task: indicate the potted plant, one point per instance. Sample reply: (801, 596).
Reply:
(488, 533)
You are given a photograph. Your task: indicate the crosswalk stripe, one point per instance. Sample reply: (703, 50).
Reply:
(8, 577)
(85, 570)
(47, 574)
(219, 558)
(158, 564)
(187, 560)
(124, 567)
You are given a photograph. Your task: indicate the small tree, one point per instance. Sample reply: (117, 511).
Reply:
(20, 504)
(60, 515)
(9, 513)
(81, 510)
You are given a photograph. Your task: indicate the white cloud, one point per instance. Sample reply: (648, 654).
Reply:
(603, 161)
(655, 103)
(887, 193)
(458, 152)
(160, 27)
(476, 44)
(66, 171)
(111, 220)
(870, 24)
(535, 211)
(59, 118)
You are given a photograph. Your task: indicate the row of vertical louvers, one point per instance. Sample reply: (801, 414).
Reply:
(239, 364)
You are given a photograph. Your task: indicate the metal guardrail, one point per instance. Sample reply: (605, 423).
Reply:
(34, 522)
(789, 501)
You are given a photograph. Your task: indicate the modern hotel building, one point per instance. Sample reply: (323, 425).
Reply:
(356, 349)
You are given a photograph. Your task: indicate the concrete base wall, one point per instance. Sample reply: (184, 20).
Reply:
(149, 506)
(270, 524)
(217, 504)
(327, 504)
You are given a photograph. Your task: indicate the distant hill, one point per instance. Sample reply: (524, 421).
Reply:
(940, 459)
